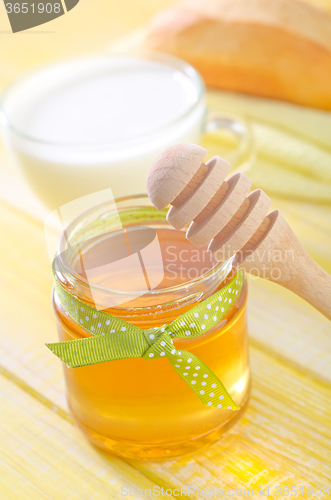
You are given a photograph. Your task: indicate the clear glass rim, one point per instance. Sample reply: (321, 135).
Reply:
(218, 272)
(142, 54)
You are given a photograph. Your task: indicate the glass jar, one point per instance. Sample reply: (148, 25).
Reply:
(131, 407)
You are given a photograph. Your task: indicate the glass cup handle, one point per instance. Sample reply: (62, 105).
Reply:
(234, 137)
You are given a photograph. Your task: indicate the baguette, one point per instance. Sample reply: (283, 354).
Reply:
(272, 48)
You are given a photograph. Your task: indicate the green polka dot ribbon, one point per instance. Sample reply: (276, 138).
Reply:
(113, 338)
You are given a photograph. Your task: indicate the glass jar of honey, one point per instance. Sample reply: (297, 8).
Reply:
(131, 407)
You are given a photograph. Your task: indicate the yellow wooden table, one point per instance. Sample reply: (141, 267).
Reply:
(280, 442)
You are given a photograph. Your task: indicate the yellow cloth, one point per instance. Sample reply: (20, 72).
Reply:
(293, 145)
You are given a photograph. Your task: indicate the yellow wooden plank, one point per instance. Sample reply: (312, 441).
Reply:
(290, 329)
(279, 442)
(43, 456)
(27, 319)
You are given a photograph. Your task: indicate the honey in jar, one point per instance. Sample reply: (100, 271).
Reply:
(131, 407)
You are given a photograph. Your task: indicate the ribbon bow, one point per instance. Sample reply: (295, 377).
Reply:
(113, 338)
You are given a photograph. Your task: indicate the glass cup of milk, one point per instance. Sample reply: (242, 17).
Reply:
(99, 121)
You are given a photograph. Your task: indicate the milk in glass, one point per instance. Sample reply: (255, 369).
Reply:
(99, 122)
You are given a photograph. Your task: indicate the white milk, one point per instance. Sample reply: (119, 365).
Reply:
(99, 122)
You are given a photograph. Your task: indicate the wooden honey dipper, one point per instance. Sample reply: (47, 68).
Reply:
(234, 222)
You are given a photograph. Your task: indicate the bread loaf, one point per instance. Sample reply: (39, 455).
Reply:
(273, 48)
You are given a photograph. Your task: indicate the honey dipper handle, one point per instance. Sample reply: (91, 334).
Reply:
(281, 258)
(313, 284)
